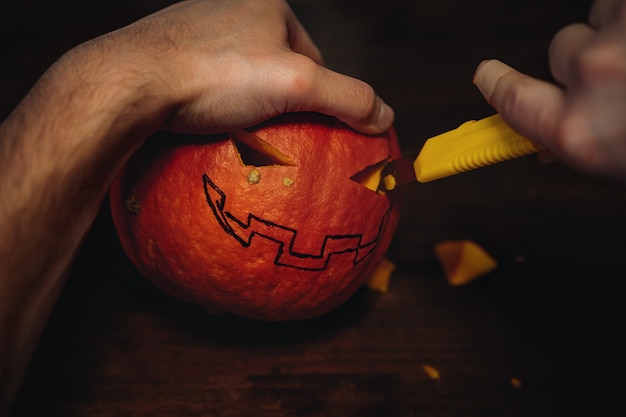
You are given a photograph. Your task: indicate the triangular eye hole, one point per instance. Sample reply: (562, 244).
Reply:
(371, 176)
(256, 152)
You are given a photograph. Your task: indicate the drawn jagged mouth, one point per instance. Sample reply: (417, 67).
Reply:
(255, 227)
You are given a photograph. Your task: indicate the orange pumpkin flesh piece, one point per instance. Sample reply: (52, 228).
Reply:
(287, 240)
(463, 261)
(381, 276)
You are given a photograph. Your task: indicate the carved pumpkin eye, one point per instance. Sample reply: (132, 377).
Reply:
(256, 152)
(370, 177)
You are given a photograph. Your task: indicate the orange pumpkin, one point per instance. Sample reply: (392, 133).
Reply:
(206, 221)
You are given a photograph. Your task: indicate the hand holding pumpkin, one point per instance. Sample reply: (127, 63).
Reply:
(199, 66)
(581, 120)
(224, 65)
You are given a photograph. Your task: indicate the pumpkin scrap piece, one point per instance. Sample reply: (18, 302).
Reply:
(463, 261)
(431, 372)
(379, 279)
(516, 383)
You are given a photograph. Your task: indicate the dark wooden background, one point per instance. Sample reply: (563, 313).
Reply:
(116, 346)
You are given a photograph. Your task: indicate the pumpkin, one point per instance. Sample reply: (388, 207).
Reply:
(265, 223)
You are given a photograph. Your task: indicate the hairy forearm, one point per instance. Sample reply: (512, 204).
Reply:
(59, 151)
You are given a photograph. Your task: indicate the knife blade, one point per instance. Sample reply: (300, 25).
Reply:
(474, 144)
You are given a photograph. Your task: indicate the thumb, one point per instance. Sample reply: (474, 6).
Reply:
(350, 100)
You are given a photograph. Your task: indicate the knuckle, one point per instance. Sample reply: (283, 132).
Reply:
(598, 63)
(571, 137)
(563, 134)
(369, 99)
(511, 99)
(300, 77)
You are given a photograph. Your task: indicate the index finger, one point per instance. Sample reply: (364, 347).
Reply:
(530, 106)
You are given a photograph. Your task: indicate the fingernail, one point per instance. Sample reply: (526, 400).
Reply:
(487, 75)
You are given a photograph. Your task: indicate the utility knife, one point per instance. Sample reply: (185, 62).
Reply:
(474, 144)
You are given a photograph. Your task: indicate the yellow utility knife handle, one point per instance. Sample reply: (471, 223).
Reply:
(472, 145)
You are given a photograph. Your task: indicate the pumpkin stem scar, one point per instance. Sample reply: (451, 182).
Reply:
(250, 228)
(255, 151)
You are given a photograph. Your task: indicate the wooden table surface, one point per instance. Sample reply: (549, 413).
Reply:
(551, 315)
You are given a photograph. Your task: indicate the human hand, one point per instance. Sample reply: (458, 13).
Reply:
(582, 120)
(220, 65)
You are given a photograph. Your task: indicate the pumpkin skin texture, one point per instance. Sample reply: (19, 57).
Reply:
(273, 242)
